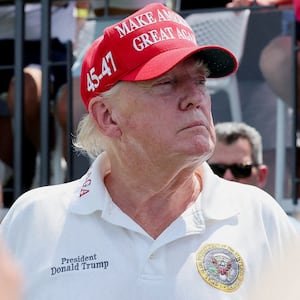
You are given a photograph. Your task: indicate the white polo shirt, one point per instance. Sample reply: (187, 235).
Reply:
(73, 242)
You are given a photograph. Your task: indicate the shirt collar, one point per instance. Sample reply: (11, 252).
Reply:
(92, 194)
(220, 197)
(214, 203)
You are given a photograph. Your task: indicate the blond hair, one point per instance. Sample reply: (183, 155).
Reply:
(88, 139)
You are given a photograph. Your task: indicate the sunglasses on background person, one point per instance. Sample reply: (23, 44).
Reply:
(239, 171)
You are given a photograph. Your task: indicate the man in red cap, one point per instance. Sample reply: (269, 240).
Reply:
(149, 220)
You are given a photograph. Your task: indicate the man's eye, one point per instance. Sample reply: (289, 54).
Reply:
(163, 87)
(166, 82)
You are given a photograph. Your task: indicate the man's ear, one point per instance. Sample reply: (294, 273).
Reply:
(101, 113)
(263, 175)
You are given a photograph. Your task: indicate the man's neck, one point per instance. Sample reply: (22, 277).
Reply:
(154, 202)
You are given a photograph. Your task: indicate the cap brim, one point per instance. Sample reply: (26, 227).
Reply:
(220, 62)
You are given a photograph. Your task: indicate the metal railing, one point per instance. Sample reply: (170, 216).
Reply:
(45, 100)
(45, 109)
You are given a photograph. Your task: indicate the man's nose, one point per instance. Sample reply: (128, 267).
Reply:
(193, 95)
(228, 175)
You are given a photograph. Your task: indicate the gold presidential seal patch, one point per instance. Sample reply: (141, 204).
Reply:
(220, 266)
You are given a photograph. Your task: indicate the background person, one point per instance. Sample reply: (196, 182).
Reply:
(238, 156)
(149, 192)
(277, 55)
(62, 13)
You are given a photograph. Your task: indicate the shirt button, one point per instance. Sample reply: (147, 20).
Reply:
(151, 256)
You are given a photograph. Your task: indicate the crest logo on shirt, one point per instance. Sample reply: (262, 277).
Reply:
(220, 266)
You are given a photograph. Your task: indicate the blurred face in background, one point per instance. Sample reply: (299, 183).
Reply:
(234, 162)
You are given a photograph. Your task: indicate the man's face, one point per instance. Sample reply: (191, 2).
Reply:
(168, 117)
(239, 152)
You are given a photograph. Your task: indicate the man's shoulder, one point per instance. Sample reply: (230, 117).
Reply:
(43, 200)
(50, 192)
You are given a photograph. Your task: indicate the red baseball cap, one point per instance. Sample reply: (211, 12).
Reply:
(144, 46)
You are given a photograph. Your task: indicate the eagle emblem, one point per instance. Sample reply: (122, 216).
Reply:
(220, 266)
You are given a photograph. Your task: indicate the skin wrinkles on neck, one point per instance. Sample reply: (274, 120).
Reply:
(154, 204)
